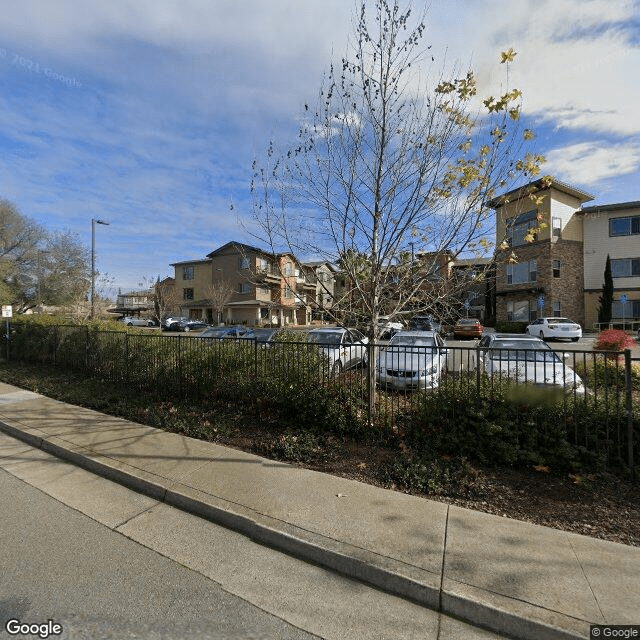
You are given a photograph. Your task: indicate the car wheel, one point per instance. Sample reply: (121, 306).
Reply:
(574, 339)
(337, 368)
(187, 329)
(542, 335)
(129, 324)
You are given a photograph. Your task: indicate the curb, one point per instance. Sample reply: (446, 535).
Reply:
(386, 574)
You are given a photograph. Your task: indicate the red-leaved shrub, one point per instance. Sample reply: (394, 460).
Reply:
(614, 340)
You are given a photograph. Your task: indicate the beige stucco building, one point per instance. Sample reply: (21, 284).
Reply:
(612, 230)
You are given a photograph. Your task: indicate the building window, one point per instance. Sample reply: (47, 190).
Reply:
(557, 308)
(244, 263)
(187, 273)
(244, 287)
(265, 291)
(288, 269)
(518, 228)
(556, 268)
(288, 293)
(264, 265)
(187, 294)
(625, 267)
(556, 226)
(521, 310)
(627, 226)
(522, 272)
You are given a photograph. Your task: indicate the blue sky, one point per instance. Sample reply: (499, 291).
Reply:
(148, 113)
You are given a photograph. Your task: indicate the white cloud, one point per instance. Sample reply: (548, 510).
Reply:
(590, 163)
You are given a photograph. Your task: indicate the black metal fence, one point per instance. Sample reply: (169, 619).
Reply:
(456, 395)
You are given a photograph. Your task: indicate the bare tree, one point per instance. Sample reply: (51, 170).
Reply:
(219, 293)
(389, 166)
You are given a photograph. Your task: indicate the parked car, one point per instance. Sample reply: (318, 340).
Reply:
(223, 333)
(412, 360)
(173, 323)
(531, 360)
(548, 328)
(425, 323)
(265, 336)
(468, 328)
(133, 321)
(388, 327)
(345, 348)
(191, 325)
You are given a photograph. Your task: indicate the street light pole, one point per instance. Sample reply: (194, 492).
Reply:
(94, 221)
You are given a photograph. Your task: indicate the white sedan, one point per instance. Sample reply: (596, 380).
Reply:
(531, 361)
(344, 348)
(549, 328)
(412, 360)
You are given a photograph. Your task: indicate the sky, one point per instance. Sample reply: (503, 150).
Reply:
(147, 114)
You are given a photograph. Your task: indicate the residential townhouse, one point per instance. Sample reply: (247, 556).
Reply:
(263, 287)
(559, 270)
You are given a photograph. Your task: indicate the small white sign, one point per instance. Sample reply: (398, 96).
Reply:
(7, 311)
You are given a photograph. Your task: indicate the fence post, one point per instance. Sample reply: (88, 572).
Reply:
(477, 363)
(629, 404)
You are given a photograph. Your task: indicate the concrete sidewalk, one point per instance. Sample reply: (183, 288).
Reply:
(515, 578)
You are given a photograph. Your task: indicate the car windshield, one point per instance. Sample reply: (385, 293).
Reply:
(326, 337)
(215, 333)
(407, 341)
(261, 335)
(522, 350)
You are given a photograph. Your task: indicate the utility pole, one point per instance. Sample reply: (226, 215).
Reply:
(94, 222)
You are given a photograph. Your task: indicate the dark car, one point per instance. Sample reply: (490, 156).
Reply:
(425, 323)
(191, 325)
(223, 333)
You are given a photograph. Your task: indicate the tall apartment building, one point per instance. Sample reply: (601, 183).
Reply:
(541, 275)
(612, 230)
(560, 271)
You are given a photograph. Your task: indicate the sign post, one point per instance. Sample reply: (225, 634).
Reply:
(7, 312)
(624, 299)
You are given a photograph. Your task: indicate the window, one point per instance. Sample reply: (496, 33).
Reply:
(288, 269)
(556, 268)
(187, 294)
(264, 264)
(518, 228)
(521, 311)
(244, 263)
(625, 267)
(265, 291)
(627, 226)
(557, 308)
(522, 272)
(288, 293)
(187, 273)
(244, 287)
(556, 225)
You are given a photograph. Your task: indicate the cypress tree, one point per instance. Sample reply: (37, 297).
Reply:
(606, 299)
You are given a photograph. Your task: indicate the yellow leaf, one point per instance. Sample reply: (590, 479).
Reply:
(542, 468)
(508, 56)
